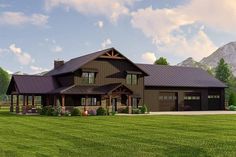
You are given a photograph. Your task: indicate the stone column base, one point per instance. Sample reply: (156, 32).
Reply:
(130, 109)
(63, 109)
(11, 108)
(17, 109)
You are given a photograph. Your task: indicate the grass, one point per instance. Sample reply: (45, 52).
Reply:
(117, 136)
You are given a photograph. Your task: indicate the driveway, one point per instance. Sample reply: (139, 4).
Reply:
(184, 113)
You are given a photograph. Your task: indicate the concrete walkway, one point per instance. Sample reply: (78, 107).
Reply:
(183, 113)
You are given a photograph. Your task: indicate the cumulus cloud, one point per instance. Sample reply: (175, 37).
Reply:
(19, 18)
(57, 48)
(166, 26)
(108, 8)
(36, 69)
(99, 24)
(23, 57)
(149, 57)
(106, 43)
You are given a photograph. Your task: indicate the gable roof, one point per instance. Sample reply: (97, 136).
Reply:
(175, 76)
(74, 64)
(32, 84)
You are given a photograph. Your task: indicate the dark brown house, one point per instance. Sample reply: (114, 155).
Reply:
(107, 78)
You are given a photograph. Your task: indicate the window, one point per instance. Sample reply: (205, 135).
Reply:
(91, 101)
(132, 79)
(88, 77)
(192, 98)
(213, 96)
(134, 102)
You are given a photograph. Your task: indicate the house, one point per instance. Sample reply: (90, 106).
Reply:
(109, 79)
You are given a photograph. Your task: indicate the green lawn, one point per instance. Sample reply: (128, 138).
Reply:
(117, 136)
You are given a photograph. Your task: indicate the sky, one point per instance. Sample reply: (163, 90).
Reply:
(34, 33)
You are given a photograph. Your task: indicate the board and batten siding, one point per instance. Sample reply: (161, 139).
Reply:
(112, 71)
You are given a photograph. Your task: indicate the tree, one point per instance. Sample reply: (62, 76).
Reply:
(161, 61)
(232, 99)
(4, 82)
(223, 71)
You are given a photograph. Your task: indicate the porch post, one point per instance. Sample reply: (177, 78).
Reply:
(11, 107)
(63, 104)
(85, 106)
(129, 105)
(110, 104)
(47, 100)
(24, 106)
(54, 100)
(33, 100)
(17, 103)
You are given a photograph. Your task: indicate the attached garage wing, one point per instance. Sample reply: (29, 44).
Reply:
(168, 101)
(192, 101)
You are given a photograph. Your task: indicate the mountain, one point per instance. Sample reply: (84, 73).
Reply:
(190, 62)
(227, 52)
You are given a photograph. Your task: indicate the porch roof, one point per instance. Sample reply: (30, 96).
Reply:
(90, 89)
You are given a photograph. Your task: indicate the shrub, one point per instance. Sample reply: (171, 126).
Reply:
(50, 111)
(143, 109)
(232, 99)
(232, 108)
(126, 110)
(44, 110)
(136, 111)
(101, 111)
(75, 112)
(67, 113)
(92, 112)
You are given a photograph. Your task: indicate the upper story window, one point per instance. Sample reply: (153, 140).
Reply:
(132, 79)
(88, 77)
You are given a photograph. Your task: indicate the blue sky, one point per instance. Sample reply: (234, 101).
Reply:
(34, 33)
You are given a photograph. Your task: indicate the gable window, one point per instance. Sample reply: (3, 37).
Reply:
(88, 77)
(132, 79)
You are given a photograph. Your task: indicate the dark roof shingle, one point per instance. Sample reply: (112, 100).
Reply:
(175, 76)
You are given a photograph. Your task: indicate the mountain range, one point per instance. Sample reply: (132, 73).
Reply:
(227, 52)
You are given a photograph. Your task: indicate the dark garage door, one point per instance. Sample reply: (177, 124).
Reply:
(168, 101)
(192, 102)
(214, 102)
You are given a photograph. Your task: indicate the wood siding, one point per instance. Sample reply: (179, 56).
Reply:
(112, 71)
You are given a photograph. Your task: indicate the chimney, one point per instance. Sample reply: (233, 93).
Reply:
(58, 63)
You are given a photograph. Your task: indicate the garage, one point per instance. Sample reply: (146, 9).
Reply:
(168, 101)
(214, 101)
(192, 101)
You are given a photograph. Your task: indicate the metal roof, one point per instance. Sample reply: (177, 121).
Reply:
(74, 64)
(175, 76)
(32, 84)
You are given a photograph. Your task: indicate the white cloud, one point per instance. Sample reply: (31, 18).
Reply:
(108, 8)
(23, 57)
(149, 57)
(19, 18)
(165, 26)
(106, 43)
(99, 24)
(36, 69)
(57, 48)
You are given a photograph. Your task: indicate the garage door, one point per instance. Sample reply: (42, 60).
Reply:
(168, 101)
(214, 102)
(192, 102)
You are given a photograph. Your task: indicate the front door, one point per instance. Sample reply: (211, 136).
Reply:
(114, 104)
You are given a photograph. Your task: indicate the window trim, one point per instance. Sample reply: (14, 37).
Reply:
(86, 79)
(130, 81)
